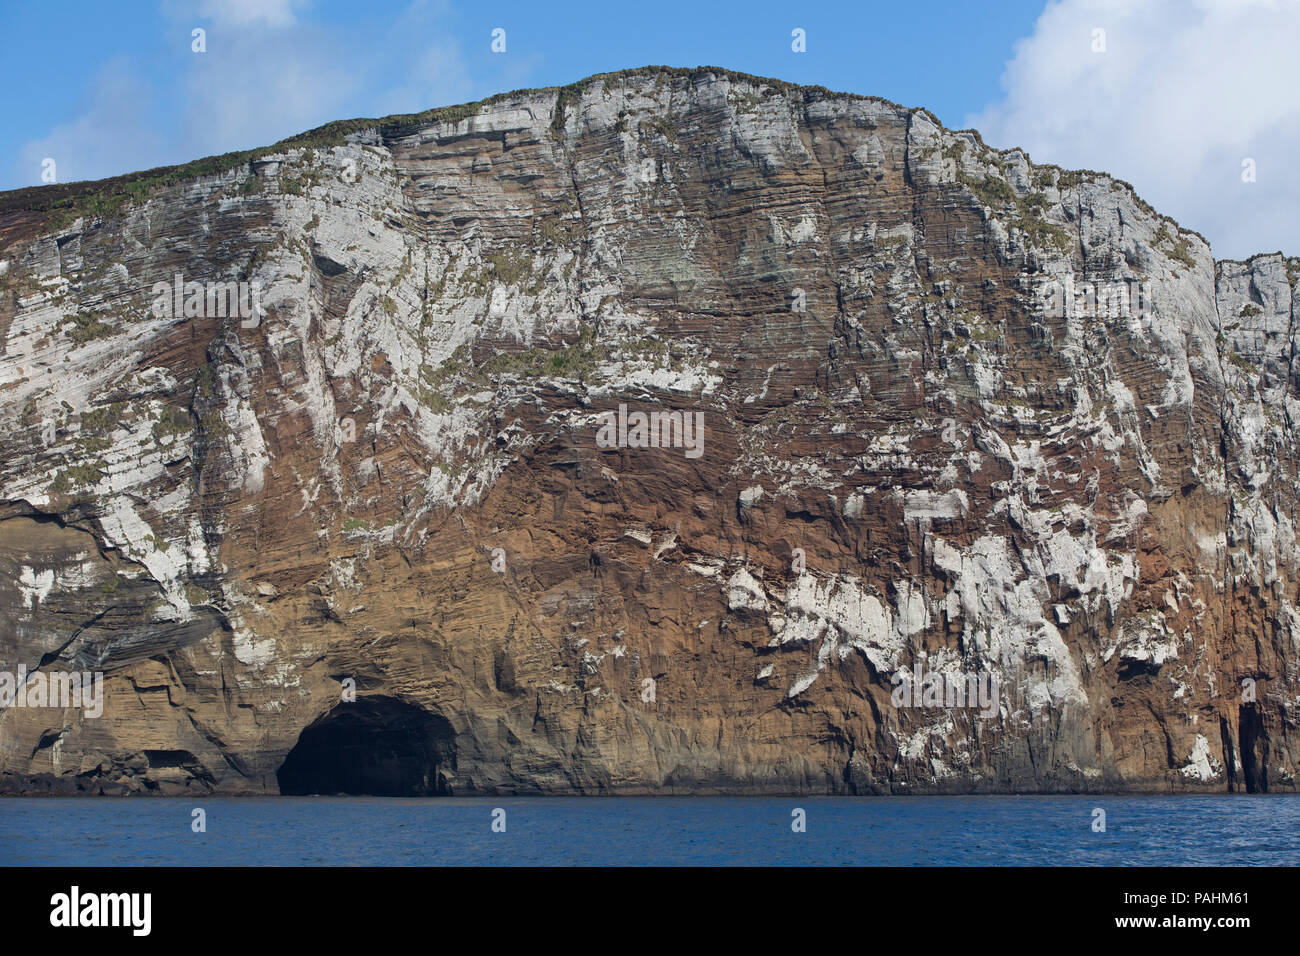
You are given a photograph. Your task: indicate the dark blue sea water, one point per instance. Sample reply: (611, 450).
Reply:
(910, 831)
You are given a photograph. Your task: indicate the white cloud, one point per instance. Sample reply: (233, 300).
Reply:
(275, 13)
(111, 134)
(267, 73)
(1184, 92)
(439, 67)
(257, 85)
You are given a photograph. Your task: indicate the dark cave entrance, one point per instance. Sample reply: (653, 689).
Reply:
(1253, 742)
(374, 746)
(1229, 755)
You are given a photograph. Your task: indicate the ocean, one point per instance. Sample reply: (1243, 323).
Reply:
(1236, 830)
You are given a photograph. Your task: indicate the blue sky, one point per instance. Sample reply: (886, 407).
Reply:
(107, 88)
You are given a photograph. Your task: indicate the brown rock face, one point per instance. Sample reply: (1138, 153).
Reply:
(331, 459)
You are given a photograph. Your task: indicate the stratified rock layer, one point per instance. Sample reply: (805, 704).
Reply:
(910, 462)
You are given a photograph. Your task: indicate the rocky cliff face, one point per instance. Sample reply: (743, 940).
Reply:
(923, 451)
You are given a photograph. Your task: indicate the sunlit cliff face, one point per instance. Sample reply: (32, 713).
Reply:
(894, 417)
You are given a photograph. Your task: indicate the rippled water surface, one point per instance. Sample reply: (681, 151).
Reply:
(913, 831)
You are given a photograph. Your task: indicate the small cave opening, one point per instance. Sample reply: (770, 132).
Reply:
(1229, 755)
(375, 747)
(1253, 744)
